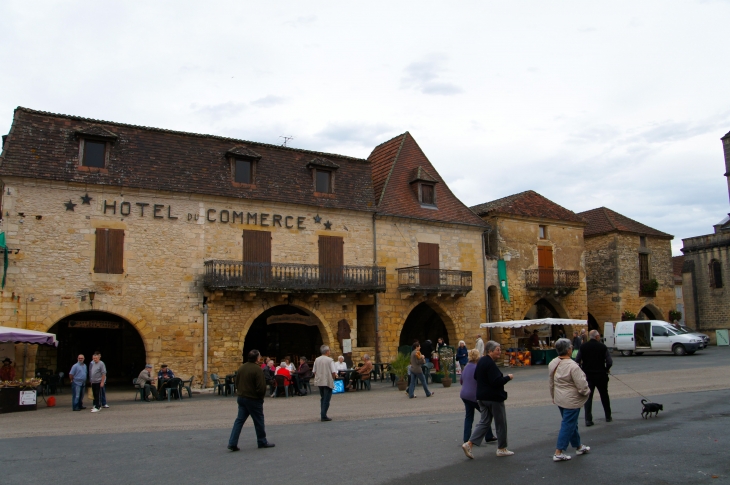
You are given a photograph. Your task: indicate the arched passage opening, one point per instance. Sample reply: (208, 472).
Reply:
(284, 331)
(544, 308)
(120, 344)
(424, 323)
(649, 312)
(593, 323)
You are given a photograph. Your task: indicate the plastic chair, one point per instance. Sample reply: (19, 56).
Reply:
(218, 386)
(363, 383)
(305, 384)
(139, 391)
(281, 383)
(187, 385)
(174, 385)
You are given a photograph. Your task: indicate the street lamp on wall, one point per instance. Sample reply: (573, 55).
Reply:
(92, 294)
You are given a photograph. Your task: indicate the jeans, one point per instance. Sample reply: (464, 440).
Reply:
(491, 410)
(568, 429)
(412, 385)
(325, 394)
(77, 395)
(96, 389)
(102, 395)
(600, 382)
(470, 407)
(255, 409)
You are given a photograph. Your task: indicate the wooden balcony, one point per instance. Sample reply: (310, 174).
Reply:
(551, 279)
(292, 277)
(421, 280)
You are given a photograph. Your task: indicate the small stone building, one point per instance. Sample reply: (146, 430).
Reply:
(540, 245)
(677, 265)
(628, 268)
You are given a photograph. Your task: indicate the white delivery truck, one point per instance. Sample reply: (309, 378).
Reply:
(639, 336)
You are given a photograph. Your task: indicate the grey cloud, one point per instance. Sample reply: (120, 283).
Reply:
(424, 76)
(301, 21)
(366, 134)
(268, 101)
(222, 110)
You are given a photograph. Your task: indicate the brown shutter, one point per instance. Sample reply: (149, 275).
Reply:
(545, 265)
(331, 259)
(257, 249)
(428, 260)
(115, 253)
(101, 250)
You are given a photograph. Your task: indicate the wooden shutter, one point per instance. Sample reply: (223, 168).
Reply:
(545, 266)
(643, 268)
(257, 250)
(331, 259)
(100, 255)
(428, 260)
(115, 255)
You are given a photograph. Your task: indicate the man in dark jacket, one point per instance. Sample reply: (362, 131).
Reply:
(251, 388)
(595, 360)
(490, 397)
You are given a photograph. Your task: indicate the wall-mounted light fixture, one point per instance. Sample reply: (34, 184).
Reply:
(92, 294)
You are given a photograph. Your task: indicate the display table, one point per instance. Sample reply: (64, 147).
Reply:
(543, 356)
(10, 399)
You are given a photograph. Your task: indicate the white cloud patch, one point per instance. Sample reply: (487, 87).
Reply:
(425, 76)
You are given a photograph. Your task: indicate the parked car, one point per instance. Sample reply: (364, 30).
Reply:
(639, 336)
(705, 338)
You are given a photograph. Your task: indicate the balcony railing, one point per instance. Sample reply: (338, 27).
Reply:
(536, 279)
(434, 280)
(290, 277)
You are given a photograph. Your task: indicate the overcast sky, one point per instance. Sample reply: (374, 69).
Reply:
(616, 104)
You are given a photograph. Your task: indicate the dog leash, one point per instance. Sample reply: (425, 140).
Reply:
(637, 392)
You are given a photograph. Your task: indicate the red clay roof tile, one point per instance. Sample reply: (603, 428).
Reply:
(603, 220)
(527, 204)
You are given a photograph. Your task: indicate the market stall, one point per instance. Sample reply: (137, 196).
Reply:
(532, 341)
(18, 394)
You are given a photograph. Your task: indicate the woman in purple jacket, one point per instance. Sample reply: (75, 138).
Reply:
(469, 396)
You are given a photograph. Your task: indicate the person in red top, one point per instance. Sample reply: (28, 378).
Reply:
(283, 371)
(7, 371)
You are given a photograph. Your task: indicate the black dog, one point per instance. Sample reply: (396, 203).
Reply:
(650, 407)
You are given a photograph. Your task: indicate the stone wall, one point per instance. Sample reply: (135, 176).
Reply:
(612, 269)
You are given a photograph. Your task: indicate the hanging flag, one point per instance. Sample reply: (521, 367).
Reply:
(502, 274)
(4, 247)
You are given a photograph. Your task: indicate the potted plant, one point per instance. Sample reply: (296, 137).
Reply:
(628, 315)
(650, 286)
(399, 367)
(675, 315)
(446, 361)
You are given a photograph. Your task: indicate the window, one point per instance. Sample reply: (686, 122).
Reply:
(243, 171)
(715, 274)
(643, 267)
(642, 241)
(331, 260)
(428, 194)
(659, 331)
(542, 230)
(109, 254)
(94, 154)
(323, 181)
(678, 292)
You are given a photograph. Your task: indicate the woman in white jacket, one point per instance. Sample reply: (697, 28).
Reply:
(569, 390)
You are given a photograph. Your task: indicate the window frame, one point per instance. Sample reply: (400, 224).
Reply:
(541, 228)
(108, 263)
(715, 269)
(642, 242)
(83, 152)
(421, 197)
(251, 170)
(331, 180)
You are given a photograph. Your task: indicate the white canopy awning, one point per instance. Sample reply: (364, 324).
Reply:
(21, 335)
(537, 321)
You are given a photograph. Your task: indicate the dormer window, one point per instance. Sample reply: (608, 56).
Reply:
(323, 175)
(94, 145)
(243, 163)
(424, 186)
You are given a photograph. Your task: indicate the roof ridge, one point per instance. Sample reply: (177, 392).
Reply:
(389, 140)
(185, 133)
(610, 220)
(392, 166)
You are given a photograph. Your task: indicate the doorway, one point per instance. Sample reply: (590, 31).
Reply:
(284, 331)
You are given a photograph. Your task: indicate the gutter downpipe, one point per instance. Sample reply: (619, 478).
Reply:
(375, 296)
(205, 344)
(486, 288)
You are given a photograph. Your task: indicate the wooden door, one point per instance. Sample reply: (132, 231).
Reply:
(331, 260)
(256, 257)
(545, 266)
(428, 261)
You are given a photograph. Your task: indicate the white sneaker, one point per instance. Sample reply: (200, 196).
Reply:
(106, 406)
(467, 450)
(95, 410)
(505, 452)
(561, 457)
(582, 449)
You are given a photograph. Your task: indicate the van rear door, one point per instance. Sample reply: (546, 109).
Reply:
(608, 336)
(642, 335)
(625, 335)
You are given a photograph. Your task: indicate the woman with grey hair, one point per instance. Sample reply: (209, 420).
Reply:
(569, 390)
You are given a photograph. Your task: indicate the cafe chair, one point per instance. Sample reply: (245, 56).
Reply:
(218, 386)
(138, 391)
(280, 384)
(305, 385)
(187, 385)
(174, 385)
(363, 383)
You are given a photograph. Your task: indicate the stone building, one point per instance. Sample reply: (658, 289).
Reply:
(677, 265)
(628, 268)
(143, 242)
(540, 245)
(705, 272)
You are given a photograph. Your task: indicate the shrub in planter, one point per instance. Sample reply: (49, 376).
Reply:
(399, 367)
(650, 286)
(675, 315)
(627, 315)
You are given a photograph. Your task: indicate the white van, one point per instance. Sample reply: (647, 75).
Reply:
(639, 336)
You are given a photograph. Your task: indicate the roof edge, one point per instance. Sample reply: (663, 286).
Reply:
(392, 165)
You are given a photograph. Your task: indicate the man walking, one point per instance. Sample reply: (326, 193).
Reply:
(417, 360)
(490, 397)
(595, 360)
(480, 346)
(97, 377)
(324, 377)
(250, 388)
(78, 375)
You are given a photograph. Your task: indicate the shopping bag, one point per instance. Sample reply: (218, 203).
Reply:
(339, 386)
(575, 354)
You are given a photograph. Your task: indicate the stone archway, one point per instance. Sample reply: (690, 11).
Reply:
(427, 320)
(549, 307)
(593, 323)
(649, 312)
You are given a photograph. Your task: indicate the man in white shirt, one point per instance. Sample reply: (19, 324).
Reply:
(480, 345)
(324, 378)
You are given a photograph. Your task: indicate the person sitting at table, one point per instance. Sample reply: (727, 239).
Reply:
(289, 364)
(361, 373)
(7, 371)
(144, 380)
(283, 370)
(534, 340)
(269, 373)
(340, 365)
(163, 377)
(303, 374)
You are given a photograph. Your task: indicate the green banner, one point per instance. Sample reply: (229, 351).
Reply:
(502, 273)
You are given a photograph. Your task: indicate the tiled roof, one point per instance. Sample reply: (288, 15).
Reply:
(419, 173)
(727, 135)
(677, 263)
(243, 152)
(44, 146)
(394, 164)
(604, 220)
(527, 204)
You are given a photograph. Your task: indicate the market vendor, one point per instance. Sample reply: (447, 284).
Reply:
(534, 340)
(7, 371)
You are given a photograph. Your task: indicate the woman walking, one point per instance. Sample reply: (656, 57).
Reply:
(469, 396)
(569, 390)
(462, 354)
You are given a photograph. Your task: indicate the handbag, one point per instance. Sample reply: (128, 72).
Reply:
(339, 386)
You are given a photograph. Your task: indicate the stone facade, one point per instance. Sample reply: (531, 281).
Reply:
(612, 268)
